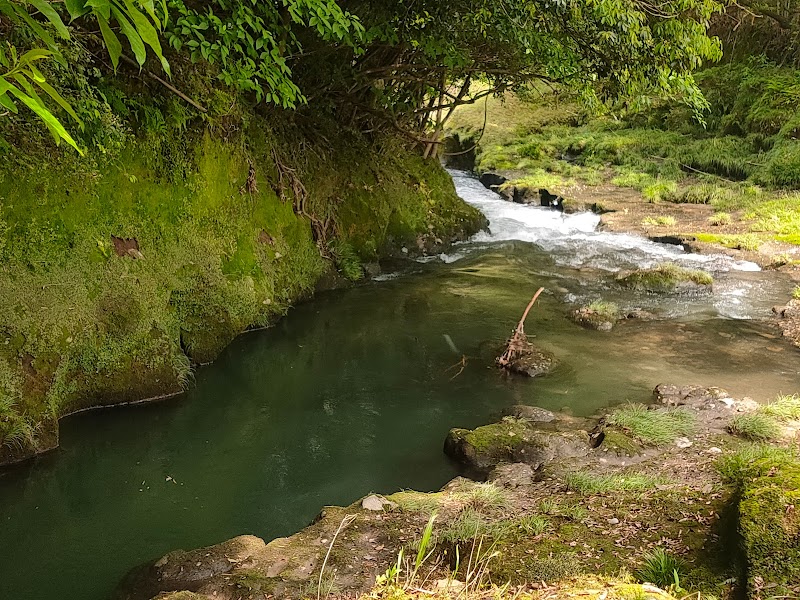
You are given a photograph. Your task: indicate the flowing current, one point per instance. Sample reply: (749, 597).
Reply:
(355, 391)
(573, 240)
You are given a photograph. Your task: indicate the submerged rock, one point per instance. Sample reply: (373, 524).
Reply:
(513, 441)
(533, 362)
(599, 315)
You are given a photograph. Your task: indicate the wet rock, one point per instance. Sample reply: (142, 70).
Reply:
(182, 570)
(530, 413)
(492, 179)
(372, 269)
(597, 316)
(640, 313)
(535, 362)
(668, 278)
(692, 396)
(513, 475)
(513, 441)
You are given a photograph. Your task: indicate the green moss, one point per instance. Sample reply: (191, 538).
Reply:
(666, 277)
(770, 526)
(616, 441)
(506, 434)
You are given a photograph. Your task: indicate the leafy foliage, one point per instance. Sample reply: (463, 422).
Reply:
(251, 41)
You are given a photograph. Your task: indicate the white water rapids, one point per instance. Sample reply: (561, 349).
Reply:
(572, 241)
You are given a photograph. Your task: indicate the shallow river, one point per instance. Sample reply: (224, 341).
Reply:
(355, 392)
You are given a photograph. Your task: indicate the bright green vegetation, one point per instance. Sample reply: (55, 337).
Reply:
(766, 423)
(796, 293)
(784, 408)
(720, 218)
(198, 258)
(586, 482)
(604, 309)
(755, 426)
(768, 481)
(659, 221)
(666, 277)
(745, 241)
(656, 426)
(661, 568)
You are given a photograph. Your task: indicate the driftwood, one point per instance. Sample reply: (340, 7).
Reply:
(518, 344)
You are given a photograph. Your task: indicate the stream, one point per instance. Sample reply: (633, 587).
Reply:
(355, 391)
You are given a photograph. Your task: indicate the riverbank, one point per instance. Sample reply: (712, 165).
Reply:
(121, 272)
(674, 493)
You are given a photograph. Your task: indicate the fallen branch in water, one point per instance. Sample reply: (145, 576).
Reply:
(518, 343)
(462, 363)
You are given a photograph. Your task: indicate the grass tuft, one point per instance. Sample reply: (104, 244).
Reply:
(755, 426)
(661, 568)
(753, 460)
(653, 426)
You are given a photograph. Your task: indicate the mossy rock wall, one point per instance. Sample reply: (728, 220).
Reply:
(116, 274)
(770, 526)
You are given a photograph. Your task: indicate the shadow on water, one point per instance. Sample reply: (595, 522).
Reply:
(351, 393)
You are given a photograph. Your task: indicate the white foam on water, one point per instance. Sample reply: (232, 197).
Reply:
(573, 239)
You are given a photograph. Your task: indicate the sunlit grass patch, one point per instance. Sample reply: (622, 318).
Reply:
(665, 221)
(784, 407)
(719, 219)
(753, 460)
(661, 568)
(653, 426)
(755, 426)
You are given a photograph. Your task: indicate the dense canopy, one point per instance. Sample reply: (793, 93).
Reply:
(398, 64)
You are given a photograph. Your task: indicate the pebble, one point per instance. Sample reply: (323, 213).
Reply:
(683, 442)
(613, 521)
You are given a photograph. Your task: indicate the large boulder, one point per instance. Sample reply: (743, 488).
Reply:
(514, 441)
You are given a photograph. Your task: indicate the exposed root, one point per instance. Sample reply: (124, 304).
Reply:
(518, 345)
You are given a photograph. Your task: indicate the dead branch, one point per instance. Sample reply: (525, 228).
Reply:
(518, 343)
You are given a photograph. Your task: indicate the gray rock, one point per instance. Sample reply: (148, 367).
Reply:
(513, 475)
(530, 413)
(376, 503)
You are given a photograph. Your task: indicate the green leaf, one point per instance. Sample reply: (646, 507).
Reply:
(50, 91)
(44, 7)
(147, 32)
(76, 8)
(101, 7)
(6, 102)
(52, 123)
(137, 46)
(38, 30)
(111, 40)
(33, 55)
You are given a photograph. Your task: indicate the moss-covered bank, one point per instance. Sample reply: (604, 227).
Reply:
(120, 272)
